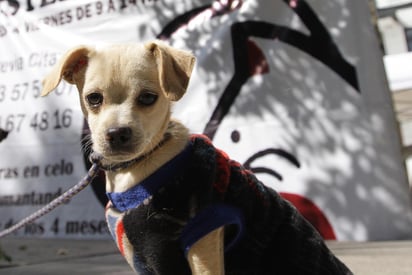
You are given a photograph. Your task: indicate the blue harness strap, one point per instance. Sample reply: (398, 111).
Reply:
(136, 195)
(209, 219)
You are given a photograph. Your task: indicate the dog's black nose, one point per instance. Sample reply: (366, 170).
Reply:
(119, 137)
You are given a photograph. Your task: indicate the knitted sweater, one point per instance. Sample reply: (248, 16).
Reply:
(155, 223)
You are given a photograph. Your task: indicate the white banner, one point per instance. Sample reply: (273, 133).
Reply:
(384, 4)
(293, 89)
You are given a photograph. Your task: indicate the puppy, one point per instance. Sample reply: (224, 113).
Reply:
(178, 205)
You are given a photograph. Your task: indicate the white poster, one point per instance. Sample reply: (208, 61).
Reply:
(293, 89)
(384, 4)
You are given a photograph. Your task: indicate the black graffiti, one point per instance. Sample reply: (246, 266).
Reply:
(318, 44)
(180, 21)
(271, 151)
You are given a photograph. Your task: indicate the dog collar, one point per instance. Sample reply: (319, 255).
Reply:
(126, 164)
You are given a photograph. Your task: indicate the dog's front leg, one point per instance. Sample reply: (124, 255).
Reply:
(206, 256)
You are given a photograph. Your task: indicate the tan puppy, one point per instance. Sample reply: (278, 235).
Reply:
(178, 205)
(126, 93)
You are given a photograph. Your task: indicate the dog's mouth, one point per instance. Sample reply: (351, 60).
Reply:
(108, 156)
(115, 161)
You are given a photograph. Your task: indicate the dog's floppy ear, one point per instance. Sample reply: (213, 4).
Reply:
(175, 67)
(71, 63)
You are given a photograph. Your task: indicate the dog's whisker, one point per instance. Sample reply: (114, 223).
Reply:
(86, 143)
(86, 146)
(86, 139)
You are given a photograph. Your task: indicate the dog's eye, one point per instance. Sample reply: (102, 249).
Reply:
(94, 99)
(147, 98)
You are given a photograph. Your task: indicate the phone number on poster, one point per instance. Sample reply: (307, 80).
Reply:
(28, 90)
(40, 121)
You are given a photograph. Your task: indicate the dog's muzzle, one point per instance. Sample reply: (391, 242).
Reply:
(96, 157)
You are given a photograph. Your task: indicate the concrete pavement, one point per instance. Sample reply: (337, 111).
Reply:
(376, 258)
(61, 256)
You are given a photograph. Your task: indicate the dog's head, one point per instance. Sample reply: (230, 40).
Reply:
(125, 93)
